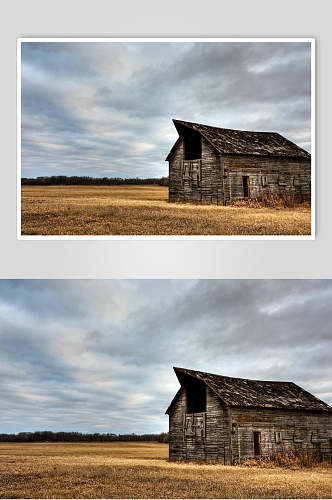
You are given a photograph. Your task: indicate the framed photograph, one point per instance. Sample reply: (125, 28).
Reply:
(107, 394)
(166, 138)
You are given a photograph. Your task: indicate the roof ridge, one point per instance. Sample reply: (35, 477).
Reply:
(224, 128)
(239, 378)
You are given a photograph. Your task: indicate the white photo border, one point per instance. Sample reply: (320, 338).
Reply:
(310, 40)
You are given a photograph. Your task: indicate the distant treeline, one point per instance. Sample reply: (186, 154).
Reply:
(56, 180)
(49, 436)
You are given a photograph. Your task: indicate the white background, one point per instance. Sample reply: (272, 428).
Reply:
(172, 258)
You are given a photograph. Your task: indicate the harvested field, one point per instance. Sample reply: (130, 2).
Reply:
(141, 470)
(144, 210)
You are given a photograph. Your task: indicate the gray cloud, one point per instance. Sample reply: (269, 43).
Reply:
(105, 108)
(97, 355)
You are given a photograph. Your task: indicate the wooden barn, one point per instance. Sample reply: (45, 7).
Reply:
(219, 165)
(214, 418)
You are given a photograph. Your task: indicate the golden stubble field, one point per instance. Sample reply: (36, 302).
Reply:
(141, 470)
(144, 210)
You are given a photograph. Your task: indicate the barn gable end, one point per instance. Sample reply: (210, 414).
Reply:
(200, 436)
(196, 180)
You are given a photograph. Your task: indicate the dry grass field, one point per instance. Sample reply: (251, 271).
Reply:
(144, 210)
(141, 470)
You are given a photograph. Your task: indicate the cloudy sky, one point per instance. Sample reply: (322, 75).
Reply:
(97, 355)
(105, 109)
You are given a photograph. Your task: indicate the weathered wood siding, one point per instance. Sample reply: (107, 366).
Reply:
(221, 177)
(211, 184)
(211, 442)
(275, 176)
(225, 435)
(300, 430)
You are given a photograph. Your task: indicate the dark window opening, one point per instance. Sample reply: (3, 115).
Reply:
(245, 182)
(192, 145)
(196, 396)
(257, 443)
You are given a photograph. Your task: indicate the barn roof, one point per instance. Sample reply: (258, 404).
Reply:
(242, 142)
(241, 392)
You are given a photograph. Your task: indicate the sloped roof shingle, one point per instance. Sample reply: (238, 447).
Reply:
(241, 142)
(240, 392)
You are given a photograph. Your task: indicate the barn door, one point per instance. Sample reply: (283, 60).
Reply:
(245, 183)
(191, 171)
(191, 178)
(194, 425)
(257, 444)
(196, 180)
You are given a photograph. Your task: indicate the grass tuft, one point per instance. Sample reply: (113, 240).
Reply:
(290, 459)
(271, 200)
